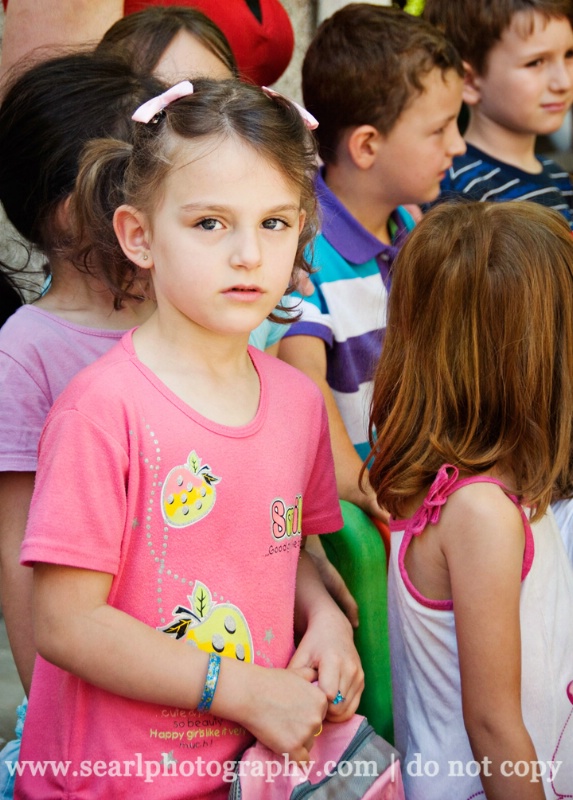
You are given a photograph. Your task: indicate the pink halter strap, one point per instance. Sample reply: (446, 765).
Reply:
(445, 483)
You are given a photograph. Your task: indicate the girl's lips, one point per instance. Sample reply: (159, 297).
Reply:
(244, 293)
(555, 107)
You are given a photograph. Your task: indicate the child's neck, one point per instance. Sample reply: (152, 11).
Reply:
(355, 192)
(511, 147)
(210, 372)
(83, 300)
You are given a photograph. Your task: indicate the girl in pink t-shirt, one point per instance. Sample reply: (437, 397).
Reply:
(473, 408)
(178, 474)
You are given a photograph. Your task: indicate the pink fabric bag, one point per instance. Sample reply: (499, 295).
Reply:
(349, 761)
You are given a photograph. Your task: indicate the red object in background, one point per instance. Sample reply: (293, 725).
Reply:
(263, 49)
(384, 531)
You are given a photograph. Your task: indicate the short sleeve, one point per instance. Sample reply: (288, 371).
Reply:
(321, 512)
(314, 320)
(24, 406)
(78, 511)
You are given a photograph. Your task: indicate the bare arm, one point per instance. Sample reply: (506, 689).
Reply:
(308, 353)
(485, 570)
(36, 23)
(280, 707)
(16, 581)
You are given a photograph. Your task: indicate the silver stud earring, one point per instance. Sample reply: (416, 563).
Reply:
(145, 256)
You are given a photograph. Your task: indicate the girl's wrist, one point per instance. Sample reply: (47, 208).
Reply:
(236, 690)
(328, 614)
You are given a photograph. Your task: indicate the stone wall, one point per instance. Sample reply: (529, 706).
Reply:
(302, 14)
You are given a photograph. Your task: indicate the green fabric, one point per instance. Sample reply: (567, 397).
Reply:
(414, 7)
(358, 553)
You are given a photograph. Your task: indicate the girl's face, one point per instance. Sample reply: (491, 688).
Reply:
(223, 238)
(187, 57)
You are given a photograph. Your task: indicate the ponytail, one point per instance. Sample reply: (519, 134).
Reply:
(99, 190)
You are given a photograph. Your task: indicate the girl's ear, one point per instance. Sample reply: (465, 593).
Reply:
(362, 145)
(471, 92)
(132, 230)
(62, 214)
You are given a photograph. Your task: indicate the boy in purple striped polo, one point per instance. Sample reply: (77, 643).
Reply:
(518, 59)
(386, 88)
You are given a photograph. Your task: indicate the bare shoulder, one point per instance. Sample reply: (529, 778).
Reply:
(481, 530)
(480, 505)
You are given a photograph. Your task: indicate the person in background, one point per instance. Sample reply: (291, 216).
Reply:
(259, 31)
(386, 88)
(172, 43)
(518, 60)
(46, 117)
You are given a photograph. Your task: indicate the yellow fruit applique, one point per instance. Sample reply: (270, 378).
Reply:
(188, 492)
(212, 627)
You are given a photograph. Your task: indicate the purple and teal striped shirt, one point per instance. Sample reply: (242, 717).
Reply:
(348, 307)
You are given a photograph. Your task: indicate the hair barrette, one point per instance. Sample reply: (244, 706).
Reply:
(150, 109)
(310, 121)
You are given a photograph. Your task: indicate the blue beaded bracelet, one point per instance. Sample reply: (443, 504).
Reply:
(210, 682)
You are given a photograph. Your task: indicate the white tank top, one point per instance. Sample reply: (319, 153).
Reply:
(438, 763)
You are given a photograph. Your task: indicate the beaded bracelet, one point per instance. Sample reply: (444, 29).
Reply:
(210, 682)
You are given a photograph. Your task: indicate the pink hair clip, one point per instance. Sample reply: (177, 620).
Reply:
(310, 121)
(151, 108)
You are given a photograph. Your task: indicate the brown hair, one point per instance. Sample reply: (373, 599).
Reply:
(113, 172)
(474, 26)
(477, 364)
(47, 115)
(143, 37)
(364, 66)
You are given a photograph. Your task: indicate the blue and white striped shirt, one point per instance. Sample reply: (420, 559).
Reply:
(478, 176)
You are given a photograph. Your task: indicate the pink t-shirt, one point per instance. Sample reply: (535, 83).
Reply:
(200, 525)
(39, 354)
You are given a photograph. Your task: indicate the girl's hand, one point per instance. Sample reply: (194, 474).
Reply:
(284, 709)
(328, 647)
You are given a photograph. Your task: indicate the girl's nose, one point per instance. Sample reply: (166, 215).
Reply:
(247, 252)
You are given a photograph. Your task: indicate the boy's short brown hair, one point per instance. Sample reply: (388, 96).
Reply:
(364, 66)
(474, 26)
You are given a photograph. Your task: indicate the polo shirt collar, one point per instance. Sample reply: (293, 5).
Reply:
(348, 237)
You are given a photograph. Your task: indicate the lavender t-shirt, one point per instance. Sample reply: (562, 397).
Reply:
(39, 355)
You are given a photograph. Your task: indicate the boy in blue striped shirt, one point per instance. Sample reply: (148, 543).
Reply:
(518, 59)
(386, 89)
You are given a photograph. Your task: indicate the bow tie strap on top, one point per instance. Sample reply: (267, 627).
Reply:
(429, 512)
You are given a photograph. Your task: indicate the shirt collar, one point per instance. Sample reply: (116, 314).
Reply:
(348, 237)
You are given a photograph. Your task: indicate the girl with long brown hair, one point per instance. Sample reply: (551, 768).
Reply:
(473, 409)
